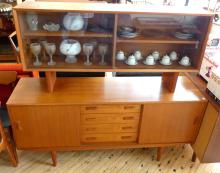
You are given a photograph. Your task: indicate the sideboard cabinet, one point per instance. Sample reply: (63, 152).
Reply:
(102, 113)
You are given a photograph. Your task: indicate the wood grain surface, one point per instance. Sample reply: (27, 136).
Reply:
(102, 91)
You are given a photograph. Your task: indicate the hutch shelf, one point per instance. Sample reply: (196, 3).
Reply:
(104, 113)
(161, 29)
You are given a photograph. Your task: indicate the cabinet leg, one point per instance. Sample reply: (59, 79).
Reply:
(169, 80)
(54, 157)
(194, 157)
(159, 153)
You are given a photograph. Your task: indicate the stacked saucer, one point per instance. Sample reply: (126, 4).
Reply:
(128, 32)
(184, 34)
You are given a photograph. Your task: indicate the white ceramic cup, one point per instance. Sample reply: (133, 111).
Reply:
(185, 60)
(173, 56)
(156, 55)
(165, 60)
(150, 60)
(131, 60)
(120, 55)
(138, 55)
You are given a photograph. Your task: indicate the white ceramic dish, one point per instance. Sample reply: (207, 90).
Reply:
(165, 64)
(126, 62)
(185, 64)
(145, 63)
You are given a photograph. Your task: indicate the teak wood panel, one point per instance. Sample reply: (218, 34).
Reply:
(113, 137)
(110, 108)
(110, 118)
(94, 91)
(207, 143)
(45, 126)
(171, 122)
(109, 128)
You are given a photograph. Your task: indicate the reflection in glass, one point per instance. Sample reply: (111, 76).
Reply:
(88, 49)
(51, 49)
(103, 48)
(36, 49)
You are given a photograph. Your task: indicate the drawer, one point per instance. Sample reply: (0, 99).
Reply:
(109, 128)
(110, 118)
(110, 108)
(115, 137)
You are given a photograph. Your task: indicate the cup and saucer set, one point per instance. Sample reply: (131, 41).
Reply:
(151, 59)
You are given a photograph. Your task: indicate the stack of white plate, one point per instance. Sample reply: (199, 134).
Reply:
(128, 32)
(183, 35)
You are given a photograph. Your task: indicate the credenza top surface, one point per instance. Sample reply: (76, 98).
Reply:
(99, 90)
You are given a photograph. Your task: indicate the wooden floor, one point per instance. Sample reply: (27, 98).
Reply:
(174, 160)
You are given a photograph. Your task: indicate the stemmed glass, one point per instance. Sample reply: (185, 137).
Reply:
(94, 42)
(103, 48)
(88, 49)
(36, 49)
(43, 44)
(50, 49)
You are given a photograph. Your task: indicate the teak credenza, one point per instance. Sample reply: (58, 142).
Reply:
(102, 113)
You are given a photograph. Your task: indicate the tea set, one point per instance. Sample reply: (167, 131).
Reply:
(152, 58)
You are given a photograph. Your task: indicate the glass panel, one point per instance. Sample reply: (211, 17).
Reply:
(67, 40)
(159, 41)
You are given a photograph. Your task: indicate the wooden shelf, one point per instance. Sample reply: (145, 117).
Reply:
(79, 66)
(67, 34)
(161, 40)
(175, 67)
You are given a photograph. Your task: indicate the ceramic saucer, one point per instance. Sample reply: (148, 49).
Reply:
(148, 64)
(184, 64)
(126, 62)
(165, 64)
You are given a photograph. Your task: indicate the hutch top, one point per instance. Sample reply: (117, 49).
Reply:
(67, 36)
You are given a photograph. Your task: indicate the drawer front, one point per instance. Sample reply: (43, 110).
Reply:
(109, 128)
(115, 137)
(110, 118)
(110, 108)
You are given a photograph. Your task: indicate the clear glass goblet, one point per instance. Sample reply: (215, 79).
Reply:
(51, 49)
(88, 49)
(103, 48)
(43, 44)
(95, 44)
(36, 49)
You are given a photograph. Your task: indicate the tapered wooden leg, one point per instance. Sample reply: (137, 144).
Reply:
(194, 157)
(54, 157)
(159, 153)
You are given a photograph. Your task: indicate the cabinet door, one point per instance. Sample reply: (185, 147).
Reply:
(171, 122)
(45, 126)
(207, 142)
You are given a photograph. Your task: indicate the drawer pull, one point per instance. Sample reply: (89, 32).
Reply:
(128, 118)
(90, 129)
(129, 107)
(91, 108)
(126, 128)
(91, 138)
(126, 137)
(90, 119)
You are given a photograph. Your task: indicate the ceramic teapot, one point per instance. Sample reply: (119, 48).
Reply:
(73, 21)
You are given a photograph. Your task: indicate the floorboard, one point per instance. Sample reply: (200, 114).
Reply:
(174, 160)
